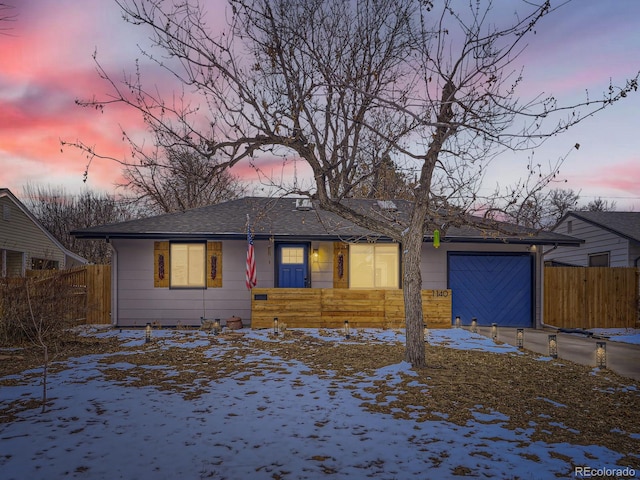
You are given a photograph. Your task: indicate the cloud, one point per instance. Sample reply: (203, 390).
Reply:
(623, 177)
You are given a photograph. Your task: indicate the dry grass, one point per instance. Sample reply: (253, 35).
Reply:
(556, 401)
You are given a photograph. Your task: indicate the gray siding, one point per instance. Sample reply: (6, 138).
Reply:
(597, 240)
(19, 235)
(139, 302)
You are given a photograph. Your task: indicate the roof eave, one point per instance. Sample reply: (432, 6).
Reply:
(279, 237)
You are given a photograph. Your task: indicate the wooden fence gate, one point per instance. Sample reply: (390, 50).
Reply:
(591, 297)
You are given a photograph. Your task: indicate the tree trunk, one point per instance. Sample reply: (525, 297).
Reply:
(415, 352)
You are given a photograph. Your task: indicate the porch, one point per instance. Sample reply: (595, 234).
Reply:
(330, 307)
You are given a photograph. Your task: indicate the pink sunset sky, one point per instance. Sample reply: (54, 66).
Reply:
(46, 64)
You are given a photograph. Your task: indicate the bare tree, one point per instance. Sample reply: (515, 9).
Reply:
(175, 179)
(39, 311)
(340, 84)
(561, 201)
(6, 15)
(60, 213)
(384, 180)
(543, 209)
(600, 205)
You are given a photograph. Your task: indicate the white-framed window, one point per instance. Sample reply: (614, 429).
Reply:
(599, 259)
(374, 265)
(292, 255)
(188, 267)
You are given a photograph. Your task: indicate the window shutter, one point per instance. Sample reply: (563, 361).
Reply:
(214, 264)
(161, 264)
(340, 265)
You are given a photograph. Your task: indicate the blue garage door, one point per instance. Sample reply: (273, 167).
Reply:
(493, 288)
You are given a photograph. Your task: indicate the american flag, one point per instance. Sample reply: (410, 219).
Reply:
(251, 279)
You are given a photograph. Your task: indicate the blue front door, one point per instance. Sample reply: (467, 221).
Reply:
(293, 265)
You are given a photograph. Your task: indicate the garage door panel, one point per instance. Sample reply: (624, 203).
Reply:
(492, 288)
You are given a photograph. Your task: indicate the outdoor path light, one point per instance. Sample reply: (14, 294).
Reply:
(494, 331)
(553, 346)
(458, 322)
(520, 338)
(147, 333)
(601, 354)
(216, 326)
(425, 332)
(275, 326)
(347, 330)
(474, 325)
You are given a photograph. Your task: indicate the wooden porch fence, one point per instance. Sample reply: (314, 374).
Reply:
(329, 308)
(591, 297)
(92, 291)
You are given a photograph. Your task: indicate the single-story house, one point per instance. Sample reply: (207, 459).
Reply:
(25, 244)
(179, 268)
(610, 239)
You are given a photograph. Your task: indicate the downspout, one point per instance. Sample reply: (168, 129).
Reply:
(114, 283)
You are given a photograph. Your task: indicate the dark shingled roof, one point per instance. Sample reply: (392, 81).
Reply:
(279, 218)
(625, 224)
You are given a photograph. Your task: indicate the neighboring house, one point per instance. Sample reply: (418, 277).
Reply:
(610, 239)
(25, 244)
(177, 268)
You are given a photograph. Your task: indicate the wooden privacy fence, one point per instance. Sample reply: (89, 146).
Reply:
(329, 308)
(91, 285)
(591, 297)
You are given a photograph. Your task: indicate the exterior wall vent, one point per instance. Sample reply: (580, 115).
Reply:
(387, 205)
(304, 204)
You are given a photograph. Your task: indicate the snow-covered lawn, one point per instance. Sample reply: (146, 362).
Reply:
(311, 405)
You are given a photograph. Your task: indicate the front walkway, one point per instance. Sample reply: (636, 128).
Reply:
(622, 358)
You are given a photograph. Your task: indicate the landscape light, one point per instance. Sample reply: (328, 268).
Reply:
(553, 346)
(474, 325)
(275, 326)
(425, 332)
(216, 326)
(347, 330)
(520, 338)
(494, 331)
(147, 333)
(601, 354)
(457, 322)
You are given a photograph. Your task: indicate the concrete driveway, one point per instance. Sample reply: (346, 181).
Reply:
(622, 358)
